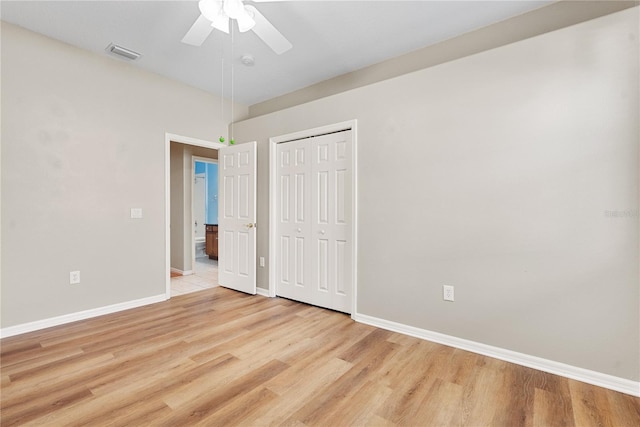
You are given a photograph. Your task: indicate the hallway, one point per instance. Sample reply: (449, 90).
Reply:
(204, 277)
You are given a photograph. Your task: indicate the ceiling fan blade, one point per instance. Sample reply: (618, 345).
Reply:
(268, 33)
(198, 32)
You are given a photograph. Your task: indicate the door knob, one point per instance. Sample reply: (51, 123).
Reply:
(321, 232)
(250, 225)
(299, 230)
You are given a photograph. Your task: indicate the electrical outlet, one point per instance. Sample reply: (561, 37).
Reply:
(74, 277)
(447, 293)
(261, 261)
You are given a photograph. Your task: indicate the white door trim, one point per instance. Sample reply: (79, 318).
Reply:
(273, 142)
(168, 138)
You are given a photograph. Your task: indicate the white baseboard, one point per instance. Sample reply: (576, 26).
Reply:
(180, 272)
(263, 292)
(580, 374)
(81, 315)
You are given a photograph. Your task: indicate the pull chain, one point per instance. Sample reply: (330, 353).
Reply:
(221, 139)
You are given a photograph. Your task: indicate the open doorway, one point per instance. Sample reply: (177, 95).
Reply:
(184, 273)
(205, 208)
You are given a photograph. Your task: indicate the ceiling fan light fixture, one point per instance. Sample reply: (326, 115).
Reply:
(221, 22)
(210, 9)
(245, 22)
(233, 8)
(218, 13)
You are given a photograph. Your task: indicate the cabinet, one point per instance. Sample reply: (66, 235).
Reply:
(211, 241)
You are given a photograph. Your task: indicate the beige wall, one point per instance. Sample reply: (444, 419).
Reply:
(83, 142)
(498, 174)
(181, 203)
(560, 14)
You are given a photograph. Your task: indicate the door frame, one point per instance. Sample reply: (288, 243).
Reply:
(273, 165)
(195, 159)
(168, 139)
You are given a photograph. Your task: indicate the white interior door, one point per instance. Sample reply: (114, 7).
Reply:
(293, 258)
(237, 217)
(314, 221)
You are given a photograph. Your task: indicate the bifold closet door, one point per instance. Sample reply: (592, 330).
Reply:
(314, 220)
(293, 198)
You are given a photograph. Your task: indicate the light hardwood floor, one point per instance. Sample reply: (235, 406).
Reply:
(220, 358)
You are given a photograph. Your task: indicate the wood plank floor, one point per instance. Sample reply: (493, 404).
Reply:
(221, 358)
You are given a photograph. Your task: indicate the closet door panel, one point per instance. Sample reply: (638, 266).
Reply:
(293, 274)
(331, 223)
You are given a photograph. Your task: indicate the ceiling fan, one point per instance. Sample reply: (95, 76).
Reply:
(217, 14)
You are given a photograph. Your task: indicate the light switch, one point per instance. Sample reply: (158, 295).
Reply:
(136, 213)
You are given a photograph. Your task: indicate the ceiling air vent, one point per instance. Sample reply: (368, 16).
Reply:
(122, 52)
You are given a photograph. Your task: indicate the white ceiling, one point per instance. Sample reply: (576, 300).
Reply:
(329, 38)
